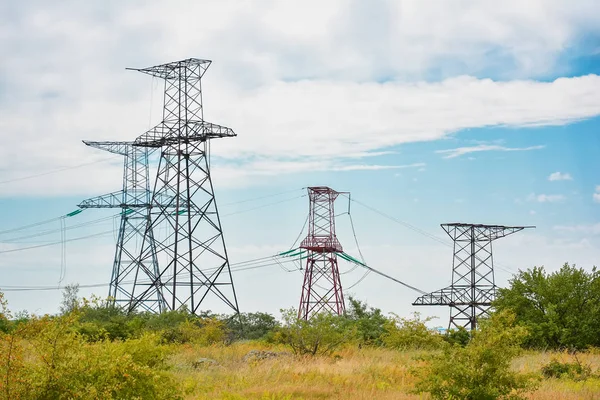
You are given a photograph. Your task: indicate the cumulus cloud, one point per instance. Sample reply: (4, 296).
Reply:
(353, 85)
(460, 151)
(596, 195)
(587, 229)
(559, 176)
(546, 198)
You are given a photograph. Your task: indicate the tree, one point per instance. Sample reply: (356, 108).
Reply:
(370, 322)
(250, 326)
(319, 335)
(70, 300)
(560, 310)
(410, 333)
(481, 370)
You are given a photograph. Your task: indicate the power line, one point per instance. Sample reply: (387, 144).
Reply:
(55, 243)
(261, 197)
(56, 171)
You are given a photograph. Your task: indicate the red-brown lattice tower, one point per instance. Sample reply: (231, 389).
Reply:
(322, 288)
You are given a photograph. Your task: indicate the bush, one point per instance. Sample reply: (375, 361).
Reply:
(560, 309)
(370, 322)
(460, 336)
(322, 334)
(61, 364)
(481, 369)
(250, 326)
(410, 333)
(574, 370)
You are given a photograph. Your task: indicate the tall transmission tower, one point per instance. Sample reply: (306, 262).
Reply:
(473, 288)
(193, 261)
(322, 288)
(134, 202)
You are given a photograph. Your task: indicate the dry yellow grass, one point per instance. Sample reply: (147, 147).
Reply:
(354, 374)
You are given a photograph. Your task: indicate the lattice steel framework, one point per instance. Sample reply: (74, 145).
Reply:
(322, 288)
(473, 287)
(192, 255)
(134, 202)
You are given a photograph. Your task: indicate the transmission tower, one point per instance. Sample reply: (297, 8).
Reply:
(473, 288)
(192, 255)
(322, 288)
(134, 202)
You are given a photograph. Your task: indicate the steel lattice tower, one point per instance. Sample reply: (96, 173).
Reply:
(322, 288)
(134, 202)
(192, 255)
(473, 288)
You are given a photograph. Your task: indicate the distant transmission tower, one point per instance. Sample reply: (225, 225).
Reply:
(322, 288)
(473, 288)
(192, 257)
(134, 202)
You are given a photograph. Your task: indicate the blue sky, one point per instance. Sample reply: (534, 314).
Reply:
(427, 113)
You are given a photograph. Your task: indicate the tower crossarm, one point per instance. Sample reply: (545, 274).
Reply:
(122, 148)
(462, 232)
(110, 200)
(172, 133)
(133, 199)
(457, 296)
(177, 69)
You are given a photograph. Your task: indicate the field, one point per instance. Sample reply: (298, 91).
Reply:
(352, 373)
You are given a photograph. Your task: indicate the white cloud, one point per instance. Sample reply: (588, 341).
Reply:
(350, 87)
(596, 195)
(546, 198)
(559, 176)
(588, 229)
(452, 153)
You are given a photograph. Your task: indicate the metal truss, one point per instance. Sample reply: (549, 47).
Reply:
(192, 254)
(322, 288)
(473, 287)
(134, 202)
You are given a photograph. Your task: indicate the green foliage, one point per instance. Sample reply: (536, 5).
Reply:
(575, 370)
(560, 310)
(70, 301)
(322, 334)
(410, 333)
(369, 322)
(100, 320)
(459, 336)
(4, 314)
(481, 369)
(45, 359)
(250, 326)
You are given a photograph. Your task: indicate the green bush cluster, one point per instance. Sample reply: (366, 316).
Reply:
(47, 358)
(481, 368)
(560, 309)
(574, 370)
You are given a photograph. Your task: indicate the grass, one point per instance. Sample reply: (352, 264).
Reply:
(367, 373)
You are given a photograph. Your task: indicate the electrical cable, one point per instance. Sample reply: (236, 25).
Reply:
(56, 170)
(260, 197)
(422, 232)
(299, 234)
(263, 206)
(55, 243)
(49, 231)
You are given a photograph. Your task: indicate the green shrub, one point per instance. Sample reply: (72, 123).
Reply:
(574, 370)
(249, 326)
(61, 364)
(460, 336)
(480, 370)
(410, 333)
(560, 309)
(322, 334)
(370, 322)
